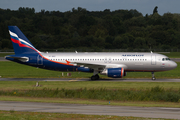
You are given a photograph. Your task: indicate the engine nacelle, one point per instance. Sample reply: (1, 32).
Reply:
(114, 72)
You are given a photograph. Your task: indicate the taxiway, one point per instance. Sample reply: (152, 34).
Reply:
(150, 112)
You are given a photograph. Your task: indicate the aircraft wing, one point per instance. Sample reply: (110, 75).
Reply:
(99, 66)
(91, 65)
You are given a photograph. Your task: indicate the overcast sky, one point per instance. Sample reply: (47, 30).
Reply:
(143, 6)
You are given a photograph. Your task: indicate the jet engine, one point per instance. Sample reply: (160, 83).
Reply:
(114, 72)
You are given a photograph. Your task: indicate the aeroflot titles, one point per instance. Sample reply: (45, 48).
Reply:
(132, 55)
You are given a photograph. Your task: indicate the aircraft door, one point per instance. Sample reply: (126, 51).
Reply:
(109, 60)
(40, 60)
(105, 60)
(153, 59)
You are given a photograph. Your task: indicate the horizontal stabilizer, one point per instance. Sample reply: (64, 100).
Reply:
(22, 59)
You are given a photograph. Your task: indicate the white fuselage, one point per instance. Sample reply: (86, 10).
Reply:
(128, 61)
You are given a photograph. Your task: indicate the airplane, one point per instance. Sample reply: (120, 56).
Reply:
(114, 65)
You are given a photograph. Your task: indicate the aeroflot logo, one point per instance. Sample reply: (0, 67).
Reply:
(21, 42)
(133, 55)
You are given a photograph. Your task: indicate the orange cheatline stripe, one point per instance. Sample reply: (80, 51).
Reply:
(58, 62)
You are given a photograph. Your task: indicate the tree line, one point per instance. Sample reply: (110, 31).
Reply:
(80, 28)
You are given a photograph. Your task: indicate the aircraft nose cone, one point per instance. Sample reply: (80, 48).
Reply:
(173, 65)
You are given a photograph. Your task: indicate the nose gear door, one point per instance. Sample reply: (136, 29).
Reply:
(153, 59)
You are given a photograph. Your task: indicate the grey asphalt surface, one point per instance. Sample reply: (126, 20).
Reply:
(175, 59)
(3, 59)
(150, 112)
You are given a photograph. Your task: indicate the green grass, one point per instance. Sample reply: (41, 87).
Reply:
(155, 94)
(14, 70)
(27, 85)
(172, 54)
(16, 115)
(15, 87)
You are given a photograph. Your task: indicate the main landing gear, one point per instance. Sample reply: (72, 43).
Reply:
(95, 77)
(153, 77)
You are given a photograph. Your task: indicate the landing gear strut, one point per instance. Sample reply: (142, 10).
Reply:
(95, 77)
(153, 78)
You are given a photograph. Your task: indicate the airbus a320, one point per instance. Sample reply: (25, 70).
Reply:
(114, 65)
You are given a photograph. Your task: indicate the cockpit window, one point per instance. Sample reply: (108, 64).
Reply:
(165, 59)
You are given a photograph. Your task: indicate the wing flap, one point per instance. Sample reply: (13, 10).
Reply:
(90, 65)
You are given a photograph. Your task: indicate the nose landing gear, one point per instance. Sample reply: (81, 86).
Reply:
(153, 77)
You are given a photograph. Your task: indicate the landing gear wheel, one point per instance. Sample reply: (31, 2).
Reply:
(95, 77)
(153, 77)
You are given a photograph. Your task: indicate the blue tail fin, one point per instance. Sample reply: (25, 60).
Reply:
(20, 43)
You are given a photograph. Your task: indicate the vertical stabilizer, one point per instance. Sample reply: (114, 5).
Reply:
(20, 43)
